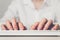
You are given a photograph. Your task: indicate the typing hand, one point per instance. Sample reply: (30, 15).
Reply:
(14, 25)
(44, 24)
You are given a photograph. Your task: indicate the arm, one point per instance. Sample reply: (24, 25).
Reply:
(9, 18)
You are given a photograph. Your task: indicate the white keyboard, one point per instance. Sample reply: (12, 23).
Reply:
(30, 33)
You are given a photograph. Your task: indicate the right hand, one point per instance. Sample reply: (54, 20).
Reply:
(14, 25)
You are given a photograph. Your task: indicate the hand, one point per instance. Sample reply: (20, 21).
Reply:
(14, 25)
(44, 24)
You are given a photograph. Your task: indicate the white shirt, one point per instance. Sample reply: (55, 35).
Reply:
(28, 15)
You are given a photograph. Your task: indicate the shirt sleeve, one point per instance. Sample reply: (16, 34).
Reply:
(57, 12)
(11, 12)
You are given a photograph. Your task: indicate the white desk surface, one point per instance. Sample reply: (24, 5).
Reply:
(29, 38)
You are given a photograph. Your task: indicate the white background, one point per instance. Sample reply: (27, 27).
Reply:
(3, 6)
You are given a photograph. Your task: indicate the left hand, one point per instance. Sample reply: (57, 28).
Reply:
(44, 24)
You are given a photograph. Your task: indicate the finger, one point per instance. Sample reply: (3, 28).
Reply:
(50, 22)
(42, 23)
(33, 27)
(8, 25)
(14, 24)
(21, 26)
(3, 27)
(55, 27)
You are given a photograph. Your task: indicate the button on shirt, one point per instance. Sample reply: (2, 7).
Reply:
(25, 11)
